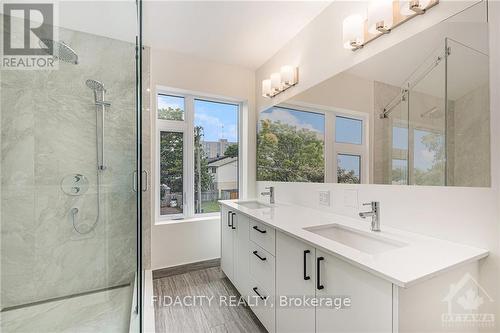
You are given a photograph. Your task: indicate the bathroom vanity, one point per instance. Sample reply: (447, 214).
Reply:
(286, 254)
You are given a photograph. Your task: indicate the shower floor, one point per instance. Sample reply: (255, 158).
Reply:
(104, 311)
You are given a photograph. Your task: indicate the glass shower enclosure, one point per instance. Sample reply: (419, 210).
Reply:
(435, 126)
(70, 148)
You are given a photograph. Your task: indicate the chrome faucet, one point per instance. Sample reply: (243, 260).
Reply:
(270, 193)
(374, 214)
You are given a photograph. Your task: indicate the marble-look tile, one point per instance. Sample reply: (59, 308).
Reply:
(106, 311)
(48, 128)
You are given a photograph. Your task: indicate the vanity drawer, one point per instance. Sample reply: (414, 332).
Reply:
(262, 266)
(263, 309)
(263, 235)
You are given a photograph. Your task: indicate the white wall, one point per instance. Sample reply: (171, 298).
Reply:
(466, 215)
(183, 242)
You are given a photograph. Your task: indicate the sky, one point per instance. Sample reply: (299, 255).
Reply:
(219, 120)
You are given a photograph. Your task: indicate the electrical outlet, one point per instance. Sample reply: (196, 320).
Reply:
(324, 198)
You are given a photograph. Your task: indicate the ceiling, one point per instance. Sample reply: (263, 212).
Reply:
(243, 33)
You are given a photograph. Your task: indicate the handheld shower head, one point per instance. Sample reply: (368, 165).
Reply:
(95, 85)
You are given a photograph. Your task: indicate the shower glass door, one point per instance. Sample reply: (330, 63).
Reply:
(69, 151)
(427, 122)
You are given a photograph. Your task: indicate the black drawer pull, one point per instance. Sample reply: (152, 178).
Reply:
(255, 291)
(229, 218)
(257, 255)
(306, 277)
(257, 228)
(318, 273)
(232, 220)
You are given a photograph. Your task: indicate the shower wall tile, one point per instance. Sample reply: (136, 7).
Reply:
(48, 128)
(472, 139)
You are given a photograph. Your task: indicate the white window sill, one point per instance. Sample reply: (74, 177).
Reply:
(203, 218)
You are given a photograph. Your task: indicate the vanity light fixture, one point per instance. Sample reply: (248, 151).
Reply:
(383, 16)
(279, 82)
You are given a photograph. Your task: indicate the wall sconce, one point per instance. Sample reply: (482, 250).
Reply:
(279, 82)
(383, 16)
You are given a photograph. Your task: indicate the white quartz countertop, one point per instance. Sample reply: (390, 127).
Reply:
(420, 258)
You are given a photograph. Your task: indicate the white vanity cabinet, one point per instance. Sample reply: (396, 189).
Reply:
(241, 245)
(275, 263)
(295, 277)
(302, 270)
(370, 298)
(228, 236)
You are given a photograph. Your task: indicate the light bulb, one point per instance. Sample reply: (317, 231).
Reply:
(276, 82)
(380, 16)
(353, 32)
(287, 75)
(266, 88)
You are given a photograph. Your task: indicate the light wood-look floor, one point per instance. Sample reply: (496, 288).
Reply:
(214, 318)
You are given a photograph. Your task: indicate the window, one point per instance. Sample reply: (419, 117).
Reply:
(399, 171)
(290, 146)
(197, 151)
(399, 168)
(350, 149)
(348, 169)
(215, 154)
(170, 107)
(171, 173)
(348, 130)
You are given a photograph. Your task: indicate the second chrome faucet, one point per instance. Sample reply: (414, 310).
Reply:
(374, 214)
(270, 193)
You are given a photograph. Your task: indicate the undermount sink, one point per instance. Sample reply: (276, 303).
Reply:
(252, 204)
(367, 242)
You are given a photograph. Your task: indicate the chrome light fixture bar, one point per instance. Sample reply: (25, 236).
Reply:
(382, 17)
(279, 82)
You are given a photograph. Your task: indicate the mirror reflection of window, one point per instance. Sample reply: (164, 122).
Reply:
(429, 157)
(290, 145)
(399, 167)
(348, 130)
(348, 169)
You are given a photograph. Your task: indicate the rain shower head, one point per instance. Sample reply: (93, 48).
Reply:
(60, 50)
(95, 85)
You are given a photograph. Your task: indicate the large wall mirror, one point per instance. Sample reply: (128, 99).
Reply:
(415, 114)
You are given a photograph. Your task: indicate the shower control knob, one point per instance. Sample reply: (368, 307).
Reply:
(74, 184)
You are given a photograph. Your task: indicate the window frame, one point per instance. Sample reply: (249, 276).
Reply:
(186, 126)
